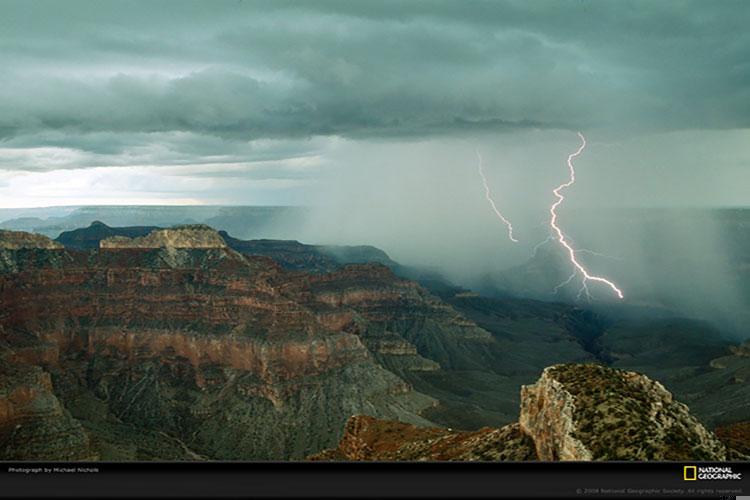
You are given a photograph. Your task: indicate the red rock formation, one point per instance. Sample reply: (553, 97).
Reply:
(370, 439)
(143, 312)
(143, 327)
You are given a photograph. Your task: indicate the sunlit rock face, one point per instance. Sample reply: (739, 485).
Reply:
(190, 236)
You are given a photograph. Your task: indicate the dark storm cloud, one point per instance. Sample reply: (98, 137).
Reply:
(61, 151)
(372, 112)
(249, 70)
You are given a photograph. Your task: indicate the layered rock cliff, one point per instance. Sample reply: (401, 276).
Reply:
(185, 344)
(229, 354)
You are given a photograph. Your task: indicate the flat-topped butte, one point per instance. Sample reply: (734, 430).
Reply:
(186, 236)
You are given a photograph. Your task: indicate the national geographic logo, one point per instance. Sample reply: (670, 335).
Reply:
(695, 473)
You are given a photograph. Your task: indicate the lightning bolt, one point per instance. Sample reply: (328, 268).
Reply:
(591, 252)
(561, 237)
(488, 195)
(549, 239)
(539, 245)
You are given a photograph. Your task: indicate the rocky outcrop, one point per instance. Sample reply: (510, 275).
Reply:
(16, 240)
(591, 412)
(370, 439)
(188, 236)
(574, 412)
(547, 414)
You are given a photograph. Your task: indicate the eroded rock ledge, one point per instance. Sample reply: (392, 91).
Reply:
(591, 412)
(573, 412)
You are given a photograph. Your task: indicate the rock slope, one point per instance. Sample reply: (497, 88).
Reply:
(736, 436)
(34, 425)
(367, 438)
(573, 412)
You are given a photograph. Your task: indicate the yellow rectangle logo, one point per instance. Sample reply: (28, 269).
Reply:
(690, 473)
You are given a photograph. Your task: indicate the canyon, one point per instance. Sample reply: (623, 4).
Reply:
(185, 344)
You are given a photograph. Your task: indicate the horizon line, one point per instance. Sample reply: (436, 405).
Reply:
(230, 205)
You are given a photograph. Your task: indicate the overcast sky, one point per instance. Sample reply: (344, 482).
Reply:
(245, 102)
